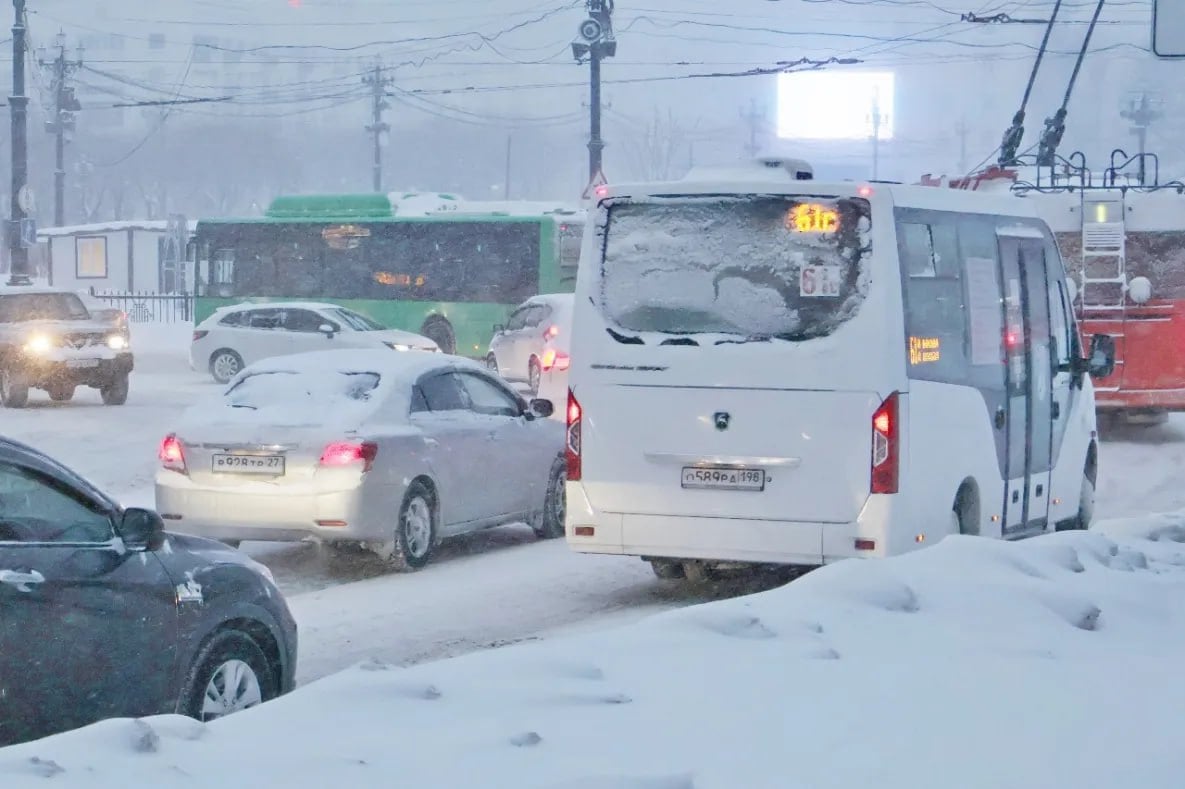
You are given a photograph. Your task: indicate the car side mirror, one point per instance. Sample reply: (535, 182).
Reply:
(142, 529)
(499, 328)
(540, 409)
(1101, 362)
(327, 330)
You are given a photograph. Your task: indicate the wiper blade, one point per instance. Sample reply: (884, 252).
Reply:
(623, 338)
(744, 340)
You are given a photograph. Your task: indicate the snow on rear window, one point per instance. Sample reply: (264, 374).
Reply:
(285, 388)
(759, 266)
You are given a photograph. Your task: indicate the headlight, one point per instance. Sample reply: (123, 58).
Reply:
(39, 344)
(395, 346)
(117, 342)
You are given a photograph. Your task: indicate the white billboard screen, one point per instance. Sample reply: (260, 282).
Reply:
(834, 105)
(1168, 28)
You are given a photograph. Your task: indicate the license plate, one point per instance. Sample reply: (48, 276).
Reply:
(82, 363)
(271, 465)
(723, 478)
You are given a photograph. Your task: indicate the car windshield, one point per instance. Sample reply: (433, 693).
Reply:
(761, 266)
(260, 390)
(15, 308)
(355, 321)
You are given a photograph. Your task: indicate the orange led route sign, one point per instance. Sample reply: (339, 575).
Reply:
(812, 218)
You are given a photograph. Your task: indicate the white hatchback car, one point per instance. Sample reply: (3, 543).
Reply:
(534, 341)
(234, 337)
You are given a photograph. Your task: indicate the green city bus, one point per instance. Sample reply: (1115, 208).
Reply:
(450, 275)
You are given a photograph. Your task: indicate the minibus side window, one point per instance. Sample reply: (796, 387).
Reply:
(935, 313)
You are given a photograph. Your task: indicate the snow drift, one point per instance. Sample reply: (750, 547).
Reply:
(1050, 663)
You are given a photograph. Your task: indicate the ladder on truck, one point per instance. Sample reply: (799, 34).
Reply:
(1104, 249)
(1104, 267)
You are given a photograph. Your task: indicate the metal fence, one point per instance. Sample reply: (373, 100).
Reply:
(150, 307)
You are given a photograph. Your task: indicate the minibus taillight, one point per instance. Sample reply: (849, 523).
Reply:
(886, 446)
(572, 444)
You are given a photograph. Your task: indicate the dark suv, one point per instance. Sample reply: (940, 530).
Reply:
(48, 340)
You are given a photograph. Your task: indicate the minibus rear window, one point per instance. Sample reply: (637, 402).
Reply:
(760, 266)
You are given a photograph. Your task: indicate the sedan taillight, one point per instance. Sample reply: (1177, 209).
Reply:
(172, 454)
(346, 453)
(197, 335)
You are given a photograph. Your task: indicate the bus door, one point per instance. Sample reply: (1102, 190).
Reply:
(1028, 421)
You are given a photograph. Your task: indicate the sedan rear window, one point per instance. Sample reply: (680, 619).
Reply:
(260, 390)
(758, 266)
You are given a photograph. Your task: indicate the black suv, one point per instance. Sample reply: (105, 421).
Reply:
(48, 340)
(103, 614)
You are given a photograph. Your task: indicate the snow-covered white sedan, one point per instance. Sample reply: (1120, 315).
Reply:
(234, 337)
(396, 451)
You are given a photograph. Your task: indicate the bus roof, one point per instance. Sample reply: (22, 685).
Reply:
(901, 195)
(313, 208)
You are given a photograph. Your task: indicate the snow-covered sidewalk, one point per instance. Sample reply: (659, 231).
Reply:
(1046, 664)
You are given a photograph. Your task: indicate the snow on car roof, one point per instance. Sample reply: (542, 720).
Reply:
(277, 305)
(401, 366)
(556, 299)
(39, 290)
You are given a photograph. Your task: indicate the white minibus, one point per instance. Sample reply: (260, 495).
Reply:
(771, 370)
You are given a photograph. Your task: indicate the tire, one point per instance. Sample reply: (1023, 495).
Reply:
(534, 375)
(225, 364)
(61, 393)
(115, 392)
(1085, 504)
(962, 514)
(14, 389)
(551, 520)
(492, 364)
(412, 547)
(667, 569)
(440, 331)
(231, 655)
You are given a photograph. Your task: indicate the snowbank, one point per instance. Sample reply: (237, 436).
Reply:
(1051, 663)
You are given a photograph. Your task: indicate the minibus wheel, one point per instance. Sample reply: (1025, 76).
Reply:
(965, 512)
(667, 569)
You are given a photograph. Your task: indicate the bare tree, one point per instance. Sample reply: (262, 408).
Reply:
(661, 150)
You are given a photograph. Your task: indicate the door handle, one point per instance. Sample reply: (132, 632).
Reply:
(1001, 418)
(21, 581)
(1056, 409)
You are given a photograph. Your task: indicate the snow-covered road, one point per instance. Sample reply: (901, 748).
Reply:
(497, 587)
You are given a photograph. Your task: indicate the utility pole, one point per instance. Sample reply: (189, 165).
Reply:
(378, 83)
(962, 130)
(596, 42)
(1142, 114)
(506, 181)
(19, 273)
(65, 105)
(754, 119)
(876, 119)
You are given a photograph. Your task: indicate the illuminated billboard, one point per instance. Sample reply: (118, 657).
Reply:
(834, 105)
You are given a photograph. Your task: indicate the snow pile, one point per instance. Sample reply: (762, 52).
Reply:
(1050, 663)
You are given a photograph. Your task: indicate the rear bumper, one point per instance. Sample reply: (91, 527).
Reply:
(286, 514)
(733, 539)
(1140, 400)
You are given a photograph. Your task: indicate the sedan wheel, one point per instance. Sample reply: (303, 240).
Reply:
(492, 364)
(534, 375)
(415, 532)
(550, 523)
(230, 674)
(14, 389)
